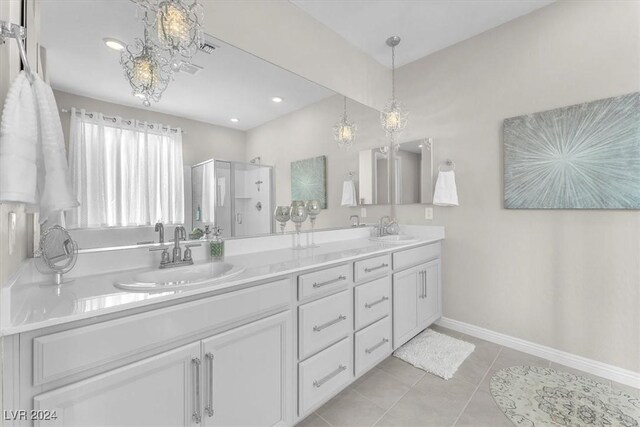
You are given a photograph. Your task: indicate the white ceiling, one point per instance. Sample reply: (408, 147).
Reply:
(232, 84)
(425, 26)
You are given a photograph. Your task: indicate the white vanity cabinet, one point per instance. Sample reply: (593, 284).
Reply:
(158, 391)
(239, 377)
(416, 300)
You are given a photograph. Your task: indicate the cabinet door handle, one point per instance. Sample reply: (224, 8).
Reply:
(209, 397)
(196, 416)
(372, 304)
(321, 381)
(421, 295)
(425, 284)
(369, 270)
(328, 282)
(377, 346)
(330, 323)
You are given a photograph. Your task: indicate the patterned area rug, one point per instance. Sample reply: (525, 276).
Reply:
(532, 396)
(435, 353)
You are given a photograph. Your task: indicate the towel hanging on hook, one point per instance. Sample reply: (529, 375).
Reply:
(448, 163)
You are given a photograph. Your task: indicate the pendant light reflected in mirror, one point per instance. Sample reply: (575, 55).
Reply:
(345, 130)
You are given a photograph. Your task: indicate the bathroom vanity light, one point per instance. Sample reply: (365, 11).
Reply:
(147, 71)
(344, 130)
(393, 117)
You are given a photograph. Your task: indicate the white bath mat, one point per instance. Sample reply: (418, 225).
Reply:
(435, 353)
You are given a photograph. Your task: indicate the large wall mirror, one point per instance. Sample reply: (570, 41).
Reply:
(400, 176)
(215, 149)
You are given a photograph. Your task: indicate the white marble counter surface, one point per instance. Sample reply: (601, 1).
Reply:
(28, 306)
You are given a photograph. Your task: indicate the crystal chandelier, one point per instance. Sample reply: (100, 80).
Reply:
(147, 71)
(344, 130)
(393, 118)
(177, 25)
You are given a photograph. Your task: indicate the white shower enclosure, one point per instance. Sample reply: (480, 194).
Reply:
(235, 196)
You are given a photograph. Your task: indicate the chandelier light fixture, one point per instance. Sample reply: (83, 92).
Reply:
(147, 71)
(344, 130)
(177, 26)
(393, 118)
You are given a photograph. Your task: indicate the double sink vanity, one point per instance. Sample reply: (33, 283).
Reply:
(265, 345)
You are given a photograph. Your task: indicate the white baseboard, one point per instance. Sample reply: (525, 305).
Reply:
(610, 372)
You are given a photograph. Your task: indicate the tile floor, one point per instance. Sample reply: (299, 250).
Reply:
(396, 394)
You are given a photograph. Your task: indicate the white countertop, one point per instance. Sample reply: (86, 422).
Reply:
(30, 306)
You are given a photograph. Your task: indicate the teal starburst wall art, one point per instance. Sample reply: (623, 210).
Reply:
(585, 156)
(309, 180)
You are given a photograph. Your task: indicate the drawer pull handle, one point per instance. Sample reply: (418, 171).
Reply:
(320, 382)
(369, 270)
(333, 322)
(377, 346)
(373, 304)
(196, 416)
(328, 282)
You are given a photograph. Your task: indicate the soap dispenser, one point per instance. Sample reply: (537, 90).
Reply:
(217, 245)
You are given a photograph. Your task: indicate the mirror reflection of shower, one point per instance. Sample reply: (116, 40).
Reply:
(231, 195)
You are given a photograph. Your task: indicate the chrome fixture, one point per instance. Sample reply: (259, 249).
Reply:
(357, 220)
(178, 234)
(393, 117)
(176, 261)
(255, 160)
(382, 225)
(160, 229)
(344, 130)
(18, 32)
(258, 182)
(147, 71)
(57, 253)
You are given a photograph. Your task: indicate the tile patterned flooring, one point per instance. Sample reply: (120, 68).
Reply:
(396, 394)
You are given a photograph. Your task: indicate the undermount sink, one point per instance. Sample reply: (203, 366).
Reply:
(180, 277)
(398, 239)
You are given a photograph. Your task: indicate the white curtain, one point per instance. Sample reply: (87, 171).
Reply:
(125, 173)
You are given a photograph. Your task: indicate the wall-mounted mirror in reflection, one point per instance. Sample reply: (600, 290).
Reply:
(226, 105)
(373, 176)
(413, 172)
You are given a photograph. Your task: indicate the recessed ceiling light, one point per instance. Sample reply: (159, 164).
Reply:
(139, 95)
(277, 99)
(234, 120)
(114, 44)
(420, 146)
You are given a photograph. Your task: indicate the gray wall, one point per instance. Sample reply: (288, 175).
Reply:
(566, 279)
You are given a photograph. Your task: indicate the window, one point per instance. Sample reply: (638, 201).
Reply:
(124, 173)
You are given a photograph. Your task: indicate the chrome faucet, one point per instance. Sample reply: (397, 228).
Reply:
(178, 234)
(357, 222)
(160, 229)
(382, 227)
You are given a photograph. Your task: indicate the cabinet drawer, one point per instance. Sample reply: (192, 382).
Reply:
(324, 374)
(415, 256)
(324, 322)
(323, 281)
(61, 354)
(373, 344)
(372, 267)
(373, 301)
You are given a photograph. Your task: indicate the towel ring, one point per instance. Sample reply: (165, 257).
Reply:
(449, 163)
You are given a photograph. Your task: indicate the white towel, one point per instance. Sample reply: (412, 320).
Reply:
(446, 193)
(349, 197)
(19, 144)
(222, 190)
(54, 181)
